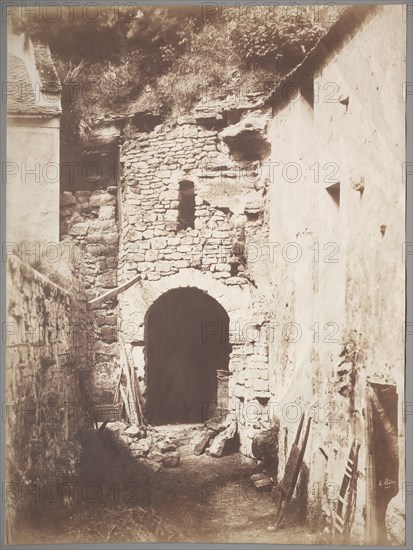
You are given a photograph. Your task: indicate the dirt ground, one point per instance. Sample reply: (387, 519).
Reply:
(204, 499)
(213, 500)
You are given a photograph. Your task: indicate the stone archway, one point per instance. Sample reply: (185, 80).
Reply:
(186, 335)
(245, 307)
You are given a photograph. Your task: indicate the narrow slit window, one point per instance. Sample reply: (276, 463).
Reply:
(186, 209)
(334, 192)
(307, 91)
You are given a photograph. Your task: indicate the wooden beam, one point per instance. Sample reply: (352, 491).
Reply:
(96, 302)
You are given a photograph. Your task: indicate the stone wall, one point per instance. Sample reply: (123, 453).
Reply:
(89, 218)
(230, 215)
(296, 233)
(152, 244)
(344, 289)
(128, 224)
(47, 354)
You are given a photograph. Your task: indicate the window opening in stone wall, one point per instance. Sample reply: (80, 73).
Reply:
(307, 91)
(334, 192)
(382, 455)
(186, 208)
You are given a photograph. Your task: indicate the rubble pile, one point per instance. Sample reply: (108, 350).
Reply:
(148, 445)
(159, 447)
(217, 438)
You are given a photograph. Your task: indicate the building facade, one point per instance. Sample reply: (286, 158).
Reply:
(251, 256)
(32, 170)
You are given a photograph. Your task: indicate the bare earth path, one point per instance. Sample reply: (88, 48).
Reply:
(213, 500)
(204, 499)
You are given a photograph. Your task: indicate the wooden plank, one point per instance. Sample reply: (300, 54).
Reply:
(97, 302)
(126, 403)
(292, 471)
(137, 392)
(133, 416)
(132, 377)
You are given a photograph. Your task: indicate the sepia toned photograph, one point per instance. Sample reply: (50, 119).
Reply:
(205, 261)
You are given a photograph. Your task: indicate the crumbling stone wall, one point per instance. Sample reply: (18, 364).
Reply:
(309, 270)
(229, 203)
(229, 213)
(89, 218)
(152, 243)
(47, 354)
(128, 225)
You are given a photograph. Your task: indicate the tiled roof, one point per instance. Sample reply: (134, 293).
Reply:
(44, 63)
(26, 97)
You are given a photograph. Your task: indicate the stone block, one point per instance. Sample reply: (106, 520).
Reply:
(146, 266)
(163, 266)
(171, 460)
(185, 248)
(108, 334)
(174, 241)
(181, 264)
(185, 119)
(154, 466)
(107, 280)
(141, 447)
(111, 320)
(157, 243)
(265, 447)
(166, 447)
(107, 213)
(151, 255)
(222, 442)
(235, 281)
(125, 439)
(223, 267)
(148, 234)
(155, 455)
(221, 275)
(260, 385)
(187, 239)
(261, 480)
(171, 215)
(201, 441)
(67, 199)
(79, 229)
(164, 173)
(189, 131)
(102, 199)
(110, 238)
(153, 276)
(135, 431)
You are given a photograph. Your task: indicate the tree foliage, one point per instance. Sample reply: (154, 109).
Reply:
(276, 39)
(176, 52)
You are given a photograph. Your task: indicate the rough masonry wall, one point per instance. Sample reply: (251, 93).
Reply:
(229, 213)
(152, 243)
(47, 353)
(89, 218)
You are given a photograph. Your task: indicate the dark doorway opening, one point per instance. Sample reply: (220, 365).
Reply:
(382, 456)
(187, 343)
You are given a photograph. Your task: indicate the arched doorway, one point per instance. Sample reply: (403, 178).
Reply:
(187, 343)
